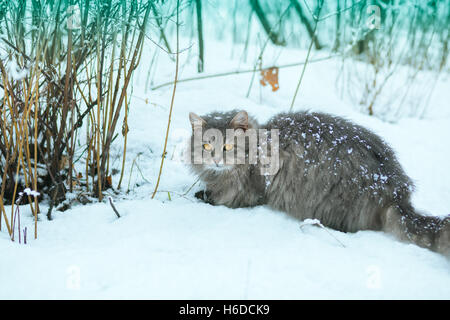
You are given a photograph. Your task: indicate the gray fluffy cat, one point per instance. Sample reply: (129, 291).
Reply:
(329, 169)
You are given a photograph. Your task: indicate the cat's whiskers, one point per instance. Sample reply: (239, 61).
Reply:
(220, 167)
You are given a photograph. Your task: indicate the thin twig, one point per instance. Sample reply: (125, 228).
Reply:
(332, 13)
(259, 59)
(176, 193)
(113, 207)
(171, 103)
(229, 73)
(316, 20)
(190, 188)
(315, 222)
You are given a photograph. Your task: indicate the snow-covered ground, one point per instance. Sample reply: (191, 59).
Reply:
(178, 247)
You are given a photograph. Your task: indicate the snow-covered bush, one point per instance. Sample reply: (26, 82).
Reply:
(65, 69)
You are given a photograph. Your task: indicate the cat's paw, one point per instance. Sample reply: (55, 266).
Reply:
(203, 195)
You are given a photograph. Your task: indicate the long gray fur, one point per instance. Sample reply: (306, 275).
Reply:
(330, 169)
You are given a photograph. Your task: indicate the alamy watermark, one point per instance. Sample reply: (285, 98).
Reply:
(73, 17)
(210, 147)
(374, 17)
(73, 277)
(373, 280)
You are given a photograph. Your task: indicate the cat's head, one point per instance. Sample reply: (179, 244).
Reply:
(216, 141)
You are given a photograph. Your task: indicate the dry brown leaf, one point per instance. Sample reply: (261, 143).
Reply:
(64, 162)
(125, 129)
(108, 181)
(270, 76)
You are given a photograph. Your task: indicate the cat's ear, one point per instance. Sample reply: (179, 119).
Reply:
(196, 121)
(240, 121)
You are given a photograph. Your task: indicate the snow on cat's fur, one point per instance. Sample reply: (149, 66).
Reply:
(329, 169)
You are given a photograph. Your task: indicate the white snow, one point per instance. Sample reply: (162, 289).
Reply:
(30, 192)
(15, 71)
(183, 248)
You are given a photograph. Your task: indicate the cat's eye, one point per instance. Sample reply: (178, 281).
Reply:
(207, 147)
(227, 147)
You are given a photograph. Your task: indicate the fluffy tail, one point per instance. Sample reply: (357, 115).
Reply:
(425, 231)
